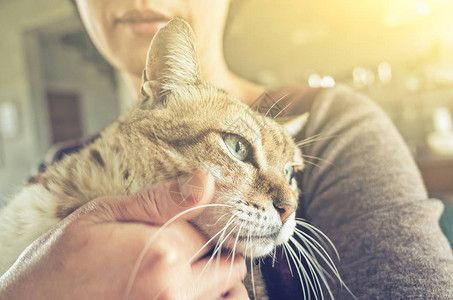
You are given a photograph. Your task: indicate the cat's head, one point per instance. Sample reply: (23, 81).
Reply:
(253, 158)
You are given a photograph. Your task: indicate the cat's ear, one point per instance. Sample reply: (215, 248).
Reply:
(296, 124)
(172, 60)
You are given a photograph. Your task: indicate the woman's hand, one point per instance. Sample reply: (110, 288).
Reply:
(92, 253)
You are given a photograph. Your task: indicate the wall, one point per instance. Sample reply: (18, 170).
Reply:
(31, 61)
(16, 17)
(67, 71)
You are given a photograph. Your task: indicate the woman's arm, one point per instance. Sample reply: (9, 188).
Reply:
(93, 252)
(367, 195)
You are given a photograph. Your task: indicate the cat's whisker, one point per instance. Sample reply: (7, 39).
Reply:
(247, 245)
(214, 252)
(318, 158)
(314, 139)
(166, 154)
(309, 241)
(218, 248)
(301, 235)
(312, 163)
(318, 233)
(337, 275)
(295, 165)
(334, 270)
(260, 261)
(218, 220)
(307, 248)
(311, 256)
(273, 257)
(242, 201)
(212, 255)
(152, 239)
(289, 265)
(326, 258)
(299, 267)
(298, 233)
(315, 270)
(313, 266)
(234, 251)
(222, 238)
(283, 109)
(275, 103)
(191, 260)
(252, 265)
(309, 139)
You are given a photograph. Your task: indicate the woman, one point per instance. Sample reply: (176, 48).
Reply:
(369, 199)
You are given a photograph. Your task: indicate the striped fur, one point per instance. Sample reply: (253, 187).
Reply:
(177, 128)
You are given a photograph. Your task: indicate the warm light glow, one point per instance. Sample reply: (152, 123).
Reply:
(359, 76)
(9, 119)
(441, 140)
(406, 11)
(314, 80)
(385, 72)
(327, 82)
(423, 8)
(362, 77)
(332, 37)
(442, 120)
(413, 84)
(390, 20)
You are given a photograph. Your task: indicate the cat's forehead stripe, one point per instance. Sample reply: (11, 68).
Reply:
(191, 140)
(275, 140)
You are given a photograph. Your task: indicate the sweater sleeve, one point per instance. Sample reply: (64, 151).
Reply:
(366, 194)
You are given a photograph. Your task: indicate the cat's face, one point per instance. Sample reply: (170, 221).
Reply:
(254, 162)
(252, 158)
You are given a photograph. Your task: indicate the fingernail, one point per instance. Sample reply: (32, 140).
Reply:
(188, 189)
(193, 185)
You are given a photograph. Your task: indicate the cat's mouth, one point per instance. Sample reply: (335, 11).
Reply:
(271, 236)
(251, 237)
(259, 245)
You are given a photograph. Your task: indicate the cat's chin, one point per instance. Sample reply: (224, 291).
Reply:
(287, 230)
(264, 246)
(259, 251)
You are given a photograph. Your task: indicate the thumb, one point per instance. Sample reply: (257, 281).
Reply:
(159, 203)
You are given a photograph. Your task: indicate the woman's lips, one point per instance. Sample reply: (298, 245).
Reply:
(142, 22)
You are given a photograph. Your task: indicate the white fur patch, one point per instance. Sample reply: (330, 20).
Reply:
(24, 219)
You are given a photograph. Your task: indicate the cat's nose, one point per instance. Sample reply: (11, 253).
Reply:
(285, 210)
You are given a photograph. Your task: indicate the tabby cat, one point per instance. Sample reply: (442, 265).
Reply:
(181, 124)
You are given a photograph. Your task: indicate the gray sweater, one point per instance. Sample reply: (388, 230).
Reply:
(367, 196)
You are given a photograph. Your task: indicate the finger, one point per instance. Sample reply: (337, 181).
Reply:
(159, 203)
(217, 278)
(185, 242)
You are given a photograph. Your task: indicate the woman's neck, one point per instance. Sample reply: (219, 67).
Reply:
(219, 75)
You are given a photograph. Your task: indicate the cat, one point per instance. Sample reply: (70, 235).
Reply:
(181, 124)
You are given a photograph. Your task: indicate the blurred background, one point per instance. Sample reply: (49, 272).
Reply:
(54, 85)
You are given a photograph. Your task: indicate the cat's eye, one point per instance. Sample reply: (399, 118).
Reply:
(237, 145)
(289, 173)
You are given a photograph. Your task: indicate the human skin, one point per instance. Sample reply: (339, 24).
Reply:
(113, 34)
(91, 254)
